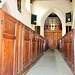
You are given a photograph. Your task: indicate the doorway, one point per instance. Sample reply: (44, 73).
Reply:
(52, 30)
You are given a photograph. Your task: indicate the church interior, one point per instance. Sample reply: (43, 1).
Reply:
(37, 37)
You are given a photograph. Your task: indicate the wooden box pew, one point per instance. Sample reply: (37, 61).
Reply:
(65, 46)
(33, 46)
(70, 47)
(38, 46)
(19, 49)
(8, 40)
(41, 45)
(10, 37)
(26, 47)
(19, 46)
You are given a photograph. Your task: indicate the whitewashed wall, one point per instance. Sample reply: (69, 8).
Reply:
(10, 6)
(43, 8)
(73, 13)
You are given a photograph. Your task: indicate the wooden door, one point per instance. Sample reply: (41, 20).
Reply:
(52, 36)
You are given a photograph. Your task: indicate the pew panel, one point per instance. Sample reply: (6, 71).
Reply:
(33, 46)
(27, 53)
(9, 39)
(0, 43)
(68, 48)
(8, 57)
(16, 43)
(26, 49)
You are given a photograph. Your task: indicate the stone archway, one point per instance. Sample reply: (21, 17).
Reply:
(6, 8)
(59, 13)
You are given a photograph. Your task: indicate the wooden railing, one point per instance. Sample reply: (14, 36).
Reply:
(20, 46)
(68, 48)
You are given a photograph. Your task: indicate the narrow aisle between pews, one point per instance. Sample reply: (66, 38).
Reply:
(51, 63)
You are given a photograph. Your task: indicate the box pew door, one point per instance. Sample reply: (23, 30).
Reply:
(33, 46)
(69, 47)
(65, 45)
(26, 49)
(9, 45)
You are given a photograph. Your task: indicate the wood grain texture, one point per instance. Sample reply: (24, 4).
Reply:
(8, 57)
(52, 36)
(9, 27)
(68, 49)
(0, 43)
(19, 45)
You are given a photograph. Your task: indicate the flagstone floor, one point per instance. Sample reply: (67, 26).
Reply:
(51, 63)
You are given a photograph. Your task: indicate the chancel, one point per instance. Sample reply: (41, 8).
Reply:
(37, 37)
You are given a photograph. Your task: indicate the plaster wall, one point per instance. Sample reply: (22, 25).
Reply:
(10, 6)
(43, 8)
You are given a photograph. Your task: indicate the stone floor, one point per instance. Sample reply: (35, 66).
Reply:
(51, 63)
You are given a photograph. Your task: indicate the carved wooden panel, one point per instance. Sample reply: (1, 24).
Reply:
(9, 45)
(17, 49)
(69, 50)
(8, 57)
(0, 43)
(19, 52)
(33, 50)
(52, 36)
(27, 33)
(26, 53)
(9, 27)
(63, 48)
(15, 53)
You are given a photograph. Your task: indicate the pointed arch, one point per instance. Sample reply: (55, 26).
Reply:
(59, 13)
(6, 7)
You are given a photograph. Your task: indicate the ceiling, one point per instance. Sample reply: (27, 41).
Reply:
(44, 0)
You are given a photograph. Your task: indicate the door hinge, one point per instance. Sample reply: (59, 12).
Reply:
(1, 21)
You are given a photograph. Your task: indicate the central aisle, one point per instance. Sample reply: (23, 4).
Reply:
(51, 63)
